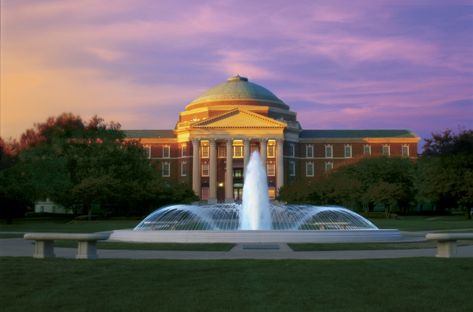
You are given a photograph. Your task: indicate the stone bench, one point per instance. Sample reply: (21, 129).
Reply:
(447, 242)
(86, 248)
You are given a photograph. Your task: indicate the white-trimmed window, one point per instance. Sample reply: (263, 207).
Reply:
(183, 150)
(271, 149)
(309, 151)
(405, 150)
(166, 169)
(205, 169)
(328, 166)
(292, 168)
(183, 168)
(309, 169)
(237, 148)
(386, 150)
(292, 150)
(367, 150)
(166, 151)
(204, 149)
(347, 151)
(328, 151)
(148, 151)
(271, 169)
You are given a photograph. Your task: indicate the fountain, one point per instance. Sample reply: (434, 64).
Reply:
(255, 220)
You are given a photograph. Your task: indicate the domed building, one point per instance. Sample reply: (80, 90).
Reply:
(216, 133)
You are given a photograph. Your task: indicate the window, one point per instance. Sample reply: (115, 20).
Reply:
(238, 149)
(166, 151)
(405, 150)
(271, 149)
(292, 150)
(166, 169)
(204, 149)
(366, 149)
(328, 151)
(292, 168)
(386, 150)
(271, 169)
(148, 151)
(183, 150)
(309, 169)
(205, 169)
(184, 168)
(238, 172)
(309, 151)
(328, 166)
(348, 151)
(222, 151)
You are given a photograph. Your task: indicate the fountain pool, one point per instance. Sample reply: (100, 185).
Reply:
(255, 220)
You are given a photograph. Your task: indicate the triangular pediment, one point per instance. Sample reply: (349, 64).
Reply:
(239, 118)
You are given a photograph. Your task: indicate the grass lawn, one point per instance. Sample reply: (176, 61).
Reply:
(416, 284)
(410, 223)
(368, 246)
(422, 223)
(66, 225)
(151, 246)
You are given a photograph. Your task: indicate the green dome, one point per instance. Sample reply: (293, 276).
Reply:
(238, 88)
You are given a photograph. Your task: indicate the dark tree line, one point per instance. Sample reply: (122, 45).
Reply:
(442, 177)
(82, 165)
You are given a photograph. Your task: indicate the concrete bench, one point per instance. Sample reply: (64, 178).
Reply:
(86, 248)
(447, 242)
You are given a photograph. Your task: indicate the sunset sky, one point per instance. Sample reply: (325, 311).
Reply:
(405, 64)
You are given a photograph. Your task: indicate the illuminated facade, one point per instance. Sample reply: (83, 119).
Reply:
(216, 133)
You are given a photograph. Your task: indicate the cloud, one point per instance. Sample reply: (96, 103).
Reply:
(337, 63)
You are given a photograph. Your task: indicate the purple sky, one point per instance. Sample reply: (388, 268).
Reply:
(338, 64)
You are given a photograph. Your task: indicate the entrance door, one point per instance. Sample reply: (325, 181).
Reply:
(237, 193)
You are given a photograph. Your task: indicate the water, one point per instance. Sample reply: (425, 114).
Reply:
(255, 213)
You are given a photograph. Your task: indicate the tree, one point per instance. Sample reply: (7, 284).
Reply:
(445, 170)
(90, 165)
(15, 188)
(369, 182)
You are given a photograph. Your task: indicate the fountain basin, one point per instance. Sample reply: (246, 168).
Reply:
(260, 236)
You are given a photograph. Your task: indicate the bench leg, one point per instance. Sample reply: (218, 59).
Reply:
(86, 250)
(43, 249)
(446, 249)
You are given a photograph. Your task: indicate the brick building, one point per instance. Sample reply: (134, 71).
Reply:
(216, 133)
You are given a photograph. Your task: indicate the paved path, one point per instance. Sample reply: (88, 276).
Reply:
(17, 247)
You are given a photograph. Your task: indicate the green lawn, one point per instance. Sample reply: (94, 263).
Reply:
(422, 223)
(151, 246)
(368, 246)
(416, 284)
(65, 225)
(410, 223)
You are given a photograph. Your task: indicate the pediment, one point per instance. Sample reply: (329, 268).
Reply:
(239, 118)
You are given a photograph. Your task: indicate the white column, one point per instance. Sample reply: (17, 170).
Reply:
(246, 153)
(229, 173)
(263, 151)
(196, 166)
(213, 171)
(279, 164)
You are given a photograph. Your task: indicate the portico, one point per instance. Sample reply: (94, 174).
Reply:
(220, 164)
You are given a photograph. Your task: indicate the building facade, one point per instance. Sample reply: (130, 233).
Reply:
(217, 132)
